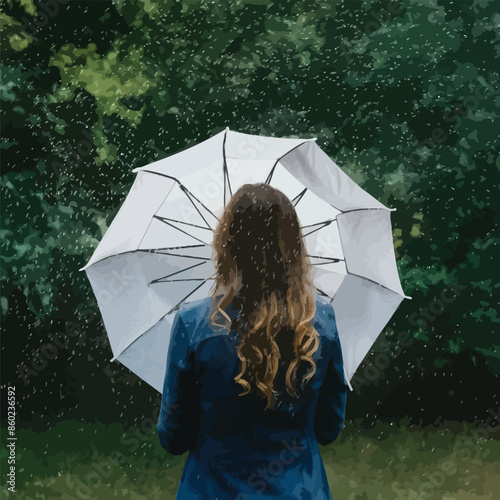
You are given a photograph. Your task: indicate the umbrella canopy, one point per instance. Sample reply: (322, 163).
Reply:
(156, 254)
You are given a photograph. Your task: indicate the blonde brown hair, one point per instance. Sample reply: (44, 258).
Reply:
(263, 270)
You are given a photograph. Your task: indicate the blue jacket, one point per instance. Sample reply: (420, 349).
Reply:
(238, 451)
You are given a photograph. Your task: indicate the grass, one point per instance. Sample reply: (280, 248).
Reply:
(455, 461)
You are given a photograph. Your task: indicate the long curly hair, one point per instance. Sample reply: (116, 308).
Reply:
(263, 270)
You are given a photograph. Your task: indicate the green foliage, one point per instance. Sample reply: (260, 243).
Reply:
(13, 38)
(403, 96)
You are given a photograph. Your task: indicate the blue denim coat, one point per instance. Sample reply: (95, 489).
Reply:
(238, 451)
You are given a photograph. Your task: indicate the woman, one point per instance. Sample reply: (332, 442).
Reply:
(254, 375)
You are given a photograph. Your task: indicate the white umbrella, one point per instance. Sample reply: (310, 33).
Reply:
(156, 253)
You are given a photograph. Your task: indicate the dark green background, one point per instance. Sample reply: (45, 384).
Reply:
(404, 96)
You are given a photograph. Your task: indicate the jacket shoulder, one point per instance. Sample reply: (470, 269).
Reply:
(193, 307)
(194, 316)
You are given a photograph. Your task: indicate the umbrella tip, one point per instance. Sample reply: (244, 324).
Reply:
(227, 129)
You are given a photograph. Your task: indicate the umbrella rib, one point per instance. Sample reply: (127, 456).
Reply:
(317, 223)
(324, 294)
(171, 310)
(162, 280)
(178, 255)
(268, 180)
(299, 197)
(173, 248)
(177, 272)
(149, 250)
(189, 294)
(324, 224)
(145, 250)
(224, 166)
(375, 283)
(162, 219)
(189, 194)
(333, 260)
(365, 208)
(187, 223)
(159, 173)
